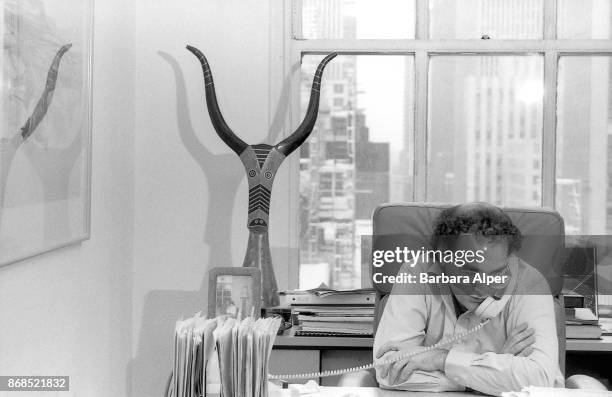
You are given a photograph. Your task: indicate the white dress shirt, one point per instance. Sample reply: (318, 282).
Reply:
(416, 320)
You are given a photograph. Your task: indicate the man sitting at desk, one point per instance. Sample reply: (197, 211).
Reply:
(519, 345)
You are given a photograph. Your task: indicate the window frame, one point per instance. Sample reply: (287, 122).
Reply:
(422, 48)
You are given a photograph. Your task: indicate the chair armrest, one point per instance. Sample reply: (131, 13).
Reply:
(584, 382)
(365, 378)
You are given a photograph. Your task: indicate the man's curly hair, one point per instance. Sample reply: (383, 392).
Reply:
(481, 219)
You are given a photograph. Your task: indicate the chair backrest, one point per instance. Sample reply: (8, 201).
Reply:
(543, 249)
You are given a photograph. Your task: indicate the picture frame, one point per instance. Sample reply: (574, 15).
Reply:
(45, 126)
(580, 273)
(234, 292)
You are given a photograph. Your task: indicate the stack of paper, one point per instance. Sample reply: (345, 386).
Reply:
(222, 356)
(335, 320)
(194, 347)
(606, 325)
(581, 323)
(324, 291)
(326, 296)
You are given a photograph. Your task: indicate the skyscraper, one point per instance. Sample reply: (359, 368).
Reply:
(343, 175)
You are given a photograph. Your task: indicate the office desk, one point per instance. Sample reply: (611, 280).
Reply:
(303, 354)
(589, 357)
(306, 342)
(589, 345)
(287, 340)
(299, 354)
(376, 392)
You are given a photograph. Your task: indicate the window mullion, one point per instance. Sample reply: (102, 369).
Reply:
(422, 19)
(550, 19)
(549, 152)
(549, 138)
(401, 46)
(292, 69)
(420, 131)
(296, 19)
(420, 108)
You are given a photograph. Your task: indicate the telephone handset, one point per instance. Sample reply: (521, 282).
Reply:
(487, 310)
(491, 307)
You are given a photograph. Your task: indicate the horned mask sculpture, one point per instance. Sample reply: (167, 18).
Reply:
(261, 163)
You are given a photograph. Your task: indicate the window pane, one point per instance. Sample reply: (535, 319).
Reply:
(584, 161)
(584, 19)
(359, 156)
(358, 19)
(485, 129)
(496, 19)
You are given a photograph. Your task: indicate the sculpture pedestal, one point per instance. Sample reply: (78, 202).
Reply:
(258, 255)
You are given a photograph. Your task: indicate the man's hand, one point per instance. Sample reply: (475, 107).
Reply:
(399, 371)
(519, 341)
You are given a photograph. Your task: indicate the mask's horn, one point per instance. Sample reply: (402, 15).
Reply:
(223, 130)
(47, 96)
(294, 140)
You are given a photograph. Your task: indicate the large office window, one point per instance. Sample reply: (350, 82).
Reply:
(361, 19)
(506, 101)
(359, 156)
(584, 149)
(494, 19)
(485, 129)
(584, 19)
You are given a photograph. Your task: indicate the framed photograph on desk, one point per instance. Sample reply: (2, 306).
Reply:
(580, 275)
(234, 292)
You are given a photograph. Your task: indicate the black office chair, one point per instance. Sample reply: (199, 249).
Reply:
(544, 249)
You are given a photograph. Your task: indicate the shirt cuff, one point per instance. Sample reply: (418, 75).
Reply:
(456, 366)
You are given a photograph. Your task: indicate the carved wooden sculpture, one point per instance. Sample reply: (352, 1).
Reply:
(261, 163)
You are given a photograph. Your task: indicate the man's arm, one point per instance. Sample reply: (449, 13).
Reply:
(403, 325)
(494, 373)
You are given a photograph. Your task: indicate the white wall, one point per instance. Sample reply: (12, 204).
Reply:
(68, 312)
(191, 191)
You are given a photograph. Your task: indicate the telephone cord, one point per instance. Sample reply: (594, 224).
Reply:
(379, 363)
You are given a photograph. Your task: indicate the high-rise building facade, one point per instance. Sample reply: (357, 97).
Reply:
(343, 175)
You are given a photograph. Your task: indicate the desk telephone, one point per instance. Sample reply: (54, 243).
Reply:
(487, 310)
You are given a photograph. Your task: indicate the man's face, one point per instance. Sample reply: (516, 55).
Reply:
(495, 253)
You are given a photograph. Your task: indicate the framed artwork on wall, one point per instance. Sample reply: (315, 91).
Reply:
(45, 125)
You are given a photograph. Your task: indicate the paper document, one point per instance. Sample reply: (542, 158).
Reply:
(533, 391)
(222, 357)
